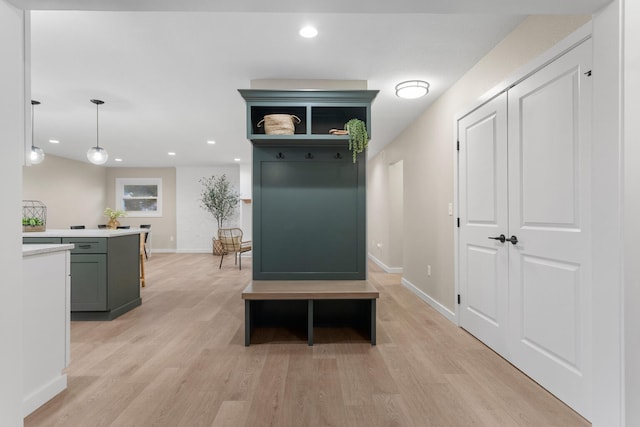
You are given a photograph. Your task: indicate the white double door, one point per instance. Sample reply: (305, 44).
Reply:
(524, 165)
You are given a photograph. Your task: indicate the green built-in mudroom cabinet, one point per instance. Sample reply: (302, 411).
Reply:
(309, 198)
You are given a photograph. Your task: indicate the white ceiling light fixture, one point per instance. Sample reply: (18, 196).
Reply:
(211, 142)
(236, 159)
(118, 159)
(412, 89)
(37, 154)
(54, 141)
(308, 32)
(171, 153)
(97, 155)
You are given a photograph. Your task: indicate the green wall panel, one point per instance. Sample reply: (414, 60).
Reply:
(309, 214)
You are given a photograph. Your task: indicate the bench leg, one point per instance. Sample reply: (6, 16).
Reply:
(247, 323)
(373, 322)
(310, 322)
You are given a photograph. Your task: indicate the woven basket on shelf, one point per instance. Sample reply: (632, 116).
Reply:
(279, 124)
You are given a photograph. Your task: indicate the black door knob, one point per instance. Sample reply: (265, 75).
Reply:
(501, 237)
(513, 239)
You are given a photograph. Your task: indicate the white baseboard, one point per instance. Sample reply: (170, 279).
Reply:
(163, 251)
(433, 303)
(43, 394)
(394, 270)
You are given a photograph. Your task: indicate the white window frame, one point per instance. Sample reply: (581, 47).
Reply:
(120, 184)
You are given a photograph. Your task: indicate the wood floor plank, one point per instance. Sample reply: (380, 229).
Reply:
(179, 360)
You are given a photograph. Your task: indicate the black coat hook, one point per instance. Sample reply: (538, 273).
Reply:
(308, 156)
(338, 156)
(280, 156)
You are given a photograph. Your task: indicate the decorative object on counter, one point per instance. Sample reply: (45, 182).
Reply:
(279, 124)
(219, 198)
(358, 137)
(34, 215)
(338, 132)
(97, 155)
(37, 154)
(113, 216)
(412, 89)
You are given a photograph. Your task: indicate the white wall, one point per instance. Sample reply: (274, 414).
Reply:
(12, 119)
(396, 214)
(246, 206)
(606, 218)
(631, 137)
(74, 192)
(195, 227)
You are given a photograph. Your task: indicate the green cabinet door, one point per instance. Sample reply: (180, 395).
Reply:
(88, 282)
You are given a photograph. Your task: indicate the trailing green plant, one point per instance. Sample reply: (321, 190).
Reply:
(219, 197)
(358, 137)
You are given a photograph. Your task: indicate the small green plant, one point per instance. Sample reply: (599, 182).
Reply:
(32, 222)
(358, 137)
(114, 213)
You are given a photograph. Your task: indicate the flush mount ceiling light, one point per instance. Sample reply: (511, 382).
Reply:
(171, 153)
(97, 155)
(308, 32)
(211, 142)
(54, 141)
(37, 154)
(412, 89)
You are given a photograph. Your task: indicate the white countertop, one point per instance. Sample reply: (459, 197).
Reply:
(89, 232)
(37, 249)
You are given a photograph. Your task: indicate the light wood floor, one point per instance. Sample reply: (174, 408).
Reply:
(179, 360)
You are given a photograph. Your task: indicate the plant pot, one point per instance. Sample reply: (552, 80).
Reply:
(113, 224)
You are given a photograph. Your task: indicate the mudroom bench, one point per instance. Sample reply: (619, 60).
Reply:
(318, 302)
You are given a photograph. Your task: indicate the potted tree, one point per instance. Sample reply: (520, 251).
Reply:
(219, 198)
(358, 137)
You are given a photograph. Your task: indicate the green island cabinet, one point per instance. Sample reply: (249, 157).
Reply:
(105, 275)
(309, 198)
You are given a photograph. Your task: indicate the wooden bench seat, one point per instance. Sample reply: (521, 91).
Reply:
(361, 292)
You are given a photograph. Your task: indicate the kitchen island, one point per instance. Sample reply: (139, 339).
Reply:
(45, 303)
(105, 269)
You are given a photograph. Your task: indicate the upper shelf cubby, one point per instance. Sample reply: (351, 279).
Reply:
(319, 111)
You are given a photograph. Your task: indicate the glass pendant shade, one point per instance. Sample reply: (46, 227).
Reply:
(37, 155)
(412, 89)
(97, 155)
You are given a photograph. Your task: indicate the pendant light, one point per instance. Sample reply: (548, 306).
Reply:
(37, 154)
(97, 155)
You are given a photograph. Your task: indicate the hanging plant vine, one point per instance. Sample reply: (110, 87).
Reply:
(358, 137)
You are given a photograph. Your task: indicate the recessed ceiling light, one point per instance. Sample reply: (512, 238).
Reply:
(308, 32)
(211, 142)
(54, 141)
(236, 159)
(118, 159)
(171, 153)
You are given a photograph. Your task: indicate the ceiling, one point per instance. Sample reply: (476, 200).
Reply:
(169, 79)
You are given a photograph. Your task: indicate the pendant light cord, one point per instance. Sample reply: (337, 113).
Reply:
(32, 125)
(97, 126)
(33, 104)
